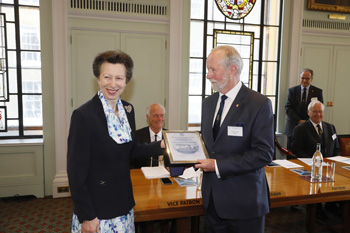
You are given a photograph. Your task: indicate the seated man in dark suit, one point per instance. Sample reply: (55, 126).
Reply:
(304, 140)
(313, 131)
(155, 115)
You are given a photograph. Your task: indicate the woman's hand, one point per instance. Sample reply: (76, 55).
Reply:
(91, 226)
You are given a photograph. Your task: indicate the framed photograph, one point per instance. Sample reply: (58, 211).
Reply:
(3, 117)
(184, 147)
(329, 5)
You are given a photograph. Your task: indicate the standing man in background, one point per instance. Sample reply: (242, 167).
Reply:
(297, 101)
(155, 114)
(238, 133)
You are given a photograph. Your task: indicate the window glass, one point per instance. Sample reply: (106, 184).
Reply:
(270, 51)
(9, 11)
(32, 110)
(12, 107)
(13, 80)
(29, 2)
(196, 39)
(24, 105)
(195, 108)
(30, 28)
(11, 36)
(31, 81)
(197, 9)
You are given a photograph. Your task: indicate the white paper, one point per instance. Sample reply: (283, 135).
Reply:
(341, 159)
(307, 161)
(155, 172)
(189, 173)
(286, 163)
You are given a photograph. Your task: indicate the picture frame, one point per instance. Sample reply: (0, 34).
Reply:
(329, 5)
(184, 147)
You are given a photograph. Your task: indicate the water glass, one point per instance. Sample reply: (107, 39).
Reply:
(331, 170)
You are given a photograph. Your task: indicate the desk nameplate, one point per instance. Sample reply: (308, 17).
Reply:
(277, 194)
(335, 189)
(180, 203)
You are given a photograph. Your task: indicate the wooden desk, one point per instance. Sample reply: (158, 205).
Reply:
(286, 188)
(152, 198)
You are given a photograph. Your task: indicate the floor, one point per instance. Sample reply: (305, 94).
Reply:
(30, 214)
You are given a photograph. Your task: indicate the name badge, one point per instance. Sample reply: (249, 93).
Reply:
(236, 131)
(334, 136)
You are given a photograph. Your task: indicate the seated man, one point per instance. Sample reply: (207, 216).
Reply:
(313, 131)
(304, 140)
(155, 115)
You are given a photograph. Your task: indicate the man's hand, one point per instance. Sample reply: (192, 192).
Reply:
(91, 226)
(207, 165)
(301, 121)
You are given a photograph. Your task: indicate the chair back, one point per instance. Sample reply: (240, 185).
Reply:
(344, 142)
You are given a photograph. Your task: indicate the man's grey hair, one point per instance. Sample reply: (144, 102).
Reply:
(232, 57)
(312, 104)
(148, 107)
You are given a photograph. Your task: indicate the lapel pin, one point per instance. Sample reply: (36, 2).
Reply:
(128, 108)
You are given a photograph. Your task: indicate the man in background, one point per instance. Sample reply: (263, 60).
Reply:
(155, 114)
(304, 140)
(297, 101)
(313, 131)
(238, 133)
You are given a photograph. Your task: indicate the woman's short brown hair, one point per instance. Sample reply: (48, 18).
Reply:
(114, 57)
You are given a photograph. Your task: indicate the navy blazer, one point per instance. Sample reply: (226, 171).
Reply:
(305, 138)
(294, 110)
(242, 191)
(98, 167)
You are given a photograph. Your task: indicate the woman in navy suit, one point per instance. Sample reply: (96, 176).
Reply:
(101, 143)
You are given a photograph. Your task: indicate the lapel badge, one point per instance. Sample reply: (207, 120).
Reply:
(237, 105)
(128, 108)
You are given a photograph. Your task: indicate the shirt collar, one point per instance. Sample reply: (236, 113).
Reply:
(233, 92)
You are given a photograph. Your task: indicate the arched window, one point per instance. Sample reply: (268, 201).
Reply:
(256, 36)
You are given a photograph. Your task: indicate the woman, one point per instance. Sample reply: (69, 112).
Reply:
(100, 146)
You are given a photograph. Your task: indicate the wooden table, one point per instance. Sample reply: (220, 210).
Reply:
(153, 199)
(287, 188)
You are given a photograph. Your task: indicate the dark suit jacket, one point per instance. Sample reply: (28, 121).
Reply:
(305, 138)
(294, 110)
(242, 191)
(142, 137)
(98, 167)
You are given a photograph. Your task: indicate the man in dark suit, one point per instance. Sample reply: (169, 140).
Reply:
(313, 131)
(234, 188)
(155, 115)
(304, 140)
(297, 101)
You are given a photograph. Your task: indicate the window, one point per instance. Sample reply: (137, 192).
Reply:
(256, 37)
(21, 50)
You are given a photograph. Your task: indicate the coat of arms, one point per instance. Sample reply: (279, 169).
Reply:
(235, 9)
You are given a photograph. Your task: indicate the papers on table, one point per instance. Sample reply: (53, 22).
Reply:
(341, 159)
(286, 163)
(155, 172)
(307, 161)
(189, 173)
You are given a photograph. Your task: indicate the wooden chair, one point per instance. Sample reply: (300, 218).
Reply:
(289, 154)
(344, 142)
